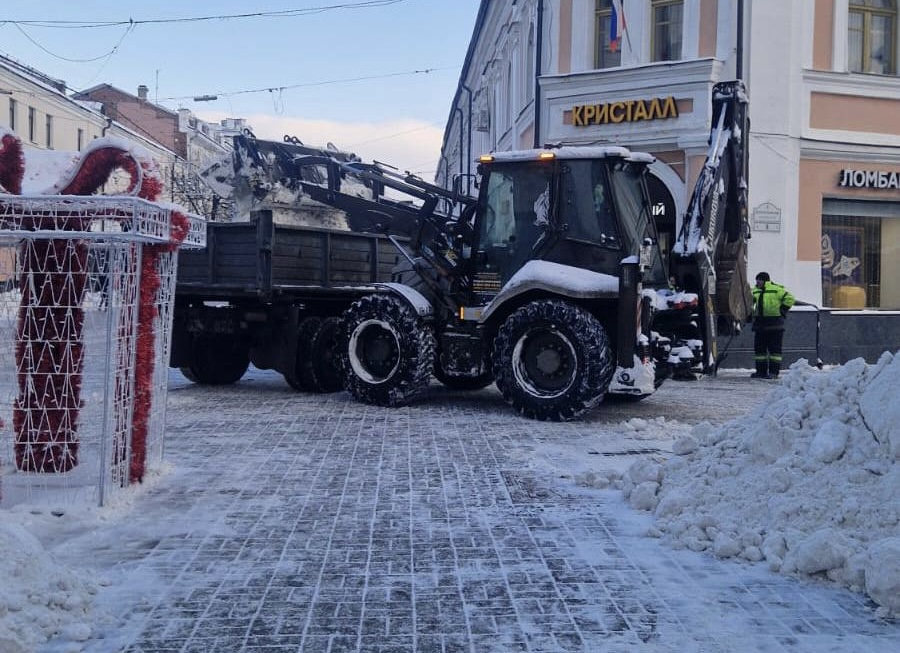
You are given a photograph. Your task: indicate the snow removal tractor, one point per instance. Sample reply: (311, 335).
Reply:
(550, 283)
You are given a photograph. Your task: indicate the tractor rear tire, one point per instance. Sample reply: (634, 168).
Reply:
(386, 351)
(326, 374)
(301, 378)
(217, 360)
(552, 360)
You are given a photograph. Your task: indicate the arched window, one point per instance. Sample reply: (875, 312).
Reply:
(872, 37)
(606, 53)
(668, 18)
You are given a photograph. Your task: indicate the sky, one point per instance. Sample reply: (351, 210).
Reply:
(376, 77)
(802, 482)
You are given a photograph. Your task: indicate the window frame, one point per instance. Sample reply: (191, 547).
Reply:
(868, 12)
(13, 114)
(655, 5)
(32, 124)
(604, 57)
(48, 123)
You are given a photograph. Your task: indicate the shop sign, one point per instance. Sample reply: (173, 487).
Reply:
(584, 115)
(869, 179)
(767, 217)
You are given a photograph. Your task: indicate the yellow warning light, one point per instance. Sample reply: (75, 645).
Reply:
(485, 158)
(546, 156)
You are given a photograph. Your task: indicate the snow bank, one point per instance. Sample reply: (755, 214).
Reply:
(807, 482)
(38, 596)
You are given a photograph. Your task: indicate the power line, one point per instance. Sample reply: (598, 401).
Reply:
(271, 89)
(286, 13)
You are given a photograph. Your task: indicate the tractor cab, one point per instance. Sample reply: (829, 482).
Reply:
(584, 207)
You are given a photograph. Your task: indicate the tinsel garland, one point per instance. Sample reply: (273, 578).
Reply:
(50, 348)
(145, 348)
(12, 164)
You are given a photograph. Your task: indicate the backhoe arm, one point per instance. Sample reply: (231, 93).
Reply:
(710, 253)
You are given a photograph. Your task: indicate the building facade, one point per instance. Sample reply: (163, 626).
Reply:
(822, 78)
(37, 108)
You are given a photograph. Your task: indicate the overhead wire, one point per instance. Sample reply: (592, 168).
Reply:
(75, 24)
(270, 89)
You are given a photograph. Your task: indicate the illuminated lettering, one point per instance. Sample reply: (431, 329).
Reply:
(879, 179)
(670, 110)
(640, 111)
(624, 111)
(577, 118)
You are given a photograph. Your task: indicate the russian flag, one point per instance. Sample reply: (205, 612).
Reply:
(616, 25)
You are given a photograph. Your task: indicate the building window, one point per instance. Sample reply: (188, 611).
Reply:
(49, 132)
(860, 255)
(80, 140)
(509, 98)
(32, 127)
(606, 54)
(529, 66)
(668, 17)
(13, 114)
(872, 37)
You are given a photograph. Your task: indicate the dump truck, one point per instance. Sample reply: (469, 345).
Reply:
(550, 283)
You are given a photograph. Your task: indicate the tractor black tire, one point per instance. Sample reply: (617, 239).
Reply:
(552, 360)
(386, 351)
(217, 360)
(483, 380)
(326, 373)
(301, 377)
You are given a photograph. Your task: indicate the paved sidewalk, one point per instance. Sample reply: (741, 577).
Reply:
(311, 523)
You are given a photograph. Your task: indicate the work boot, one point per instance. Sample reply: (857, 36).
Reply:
(774, 369)
(762, 370)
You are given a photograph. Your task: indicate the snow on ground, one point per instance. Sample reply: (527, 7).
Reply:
(41, 596)
(808, 482)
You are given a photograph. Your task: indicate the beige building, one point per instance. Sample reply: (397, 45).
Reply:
(822, 77)
(37, 108)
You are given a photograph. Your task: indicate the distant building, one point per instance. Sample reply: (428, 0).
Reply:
(197, 143)
(36, 107)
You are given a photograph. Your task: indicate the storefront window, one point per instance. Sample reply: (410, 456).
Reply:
(860, 255)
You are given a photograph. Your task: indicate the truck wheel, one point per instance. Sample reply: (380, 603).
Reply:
(463, 382)
(552, 360)
(386, 351)
(325, 372)
(218, 360)
(302, 377)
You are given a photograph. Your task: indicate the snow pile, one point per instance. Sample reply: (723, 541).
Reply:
(807, 482)
(38, 597)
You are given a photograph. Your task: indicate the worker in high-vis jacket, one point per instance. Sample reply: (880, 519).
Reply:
(771, 303)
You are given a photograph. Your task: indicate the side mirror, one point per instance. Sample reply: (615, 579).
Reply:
(646, 257)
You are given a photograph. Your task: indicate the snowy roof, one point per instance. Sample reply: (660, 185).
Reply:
(575, 152)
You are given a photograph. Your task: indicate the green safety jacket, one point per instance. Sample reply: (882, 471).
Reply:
(770, 306)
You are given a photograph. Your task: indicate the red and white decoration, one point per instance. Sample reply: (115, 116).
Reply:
(57, 245)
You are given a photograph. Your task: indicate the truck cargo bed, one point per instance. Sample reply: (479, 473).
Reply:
(263, 258)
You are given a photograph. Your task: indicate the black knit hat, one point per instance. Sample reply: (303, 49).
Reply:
(763, 276)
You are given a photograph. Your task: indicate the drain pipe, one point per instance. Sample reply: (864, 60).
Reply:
(739, 47)
(468, 140)
(539, 56)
